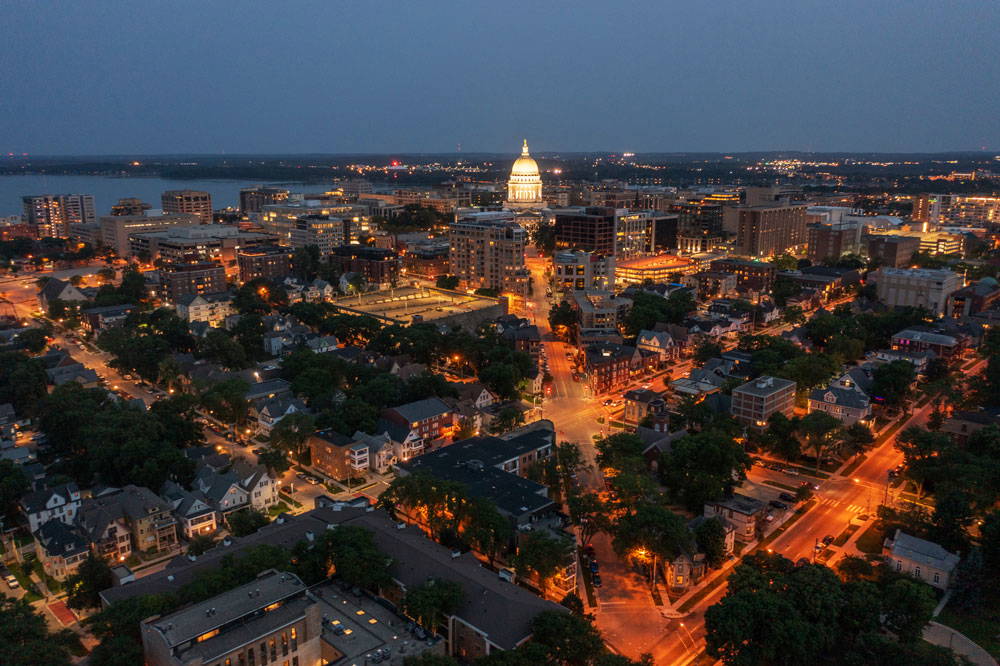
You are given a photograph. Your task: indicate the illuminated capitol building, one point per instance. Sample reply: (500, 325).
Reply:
(524, 188)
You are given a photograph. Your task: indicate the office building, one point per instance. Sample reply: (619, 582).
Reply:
(922, 288)
(270, 620)
(829, 243)
(324, 232)
(765, 231)
(659, 269)
(51, 214)
(581, 271)
(180, 280)
(130, 206)
(755, 402)
(188, 201)
(487, 251)
(115, 229)
(253, 199)
(280, 218)
(634, 234)
(699, 218)
(591, 229)
(600, 309)
(203, 242)
(268, 262)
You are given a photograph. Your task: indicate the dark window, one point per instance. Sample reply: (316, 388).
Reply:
(284, 644)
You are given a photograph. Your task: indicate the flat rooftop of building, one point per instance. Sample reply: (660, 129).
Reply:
(404, 303)
(202, 617)
(765, 386)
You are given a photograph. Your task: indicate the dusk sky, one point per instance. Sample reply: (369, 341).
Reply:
(100, 77)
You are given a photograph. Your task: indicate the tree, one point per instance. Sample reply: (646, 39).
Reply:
(246, 521)
(25, 637)
(705, 351)
(84, 587)
(466, 429)
(563, 319)
(486, 529)
(543, 556)
(201, 544)
(793, 315)
(446, 282)
(432, 602)
(356, 558)
(651, 532)
(810, 370)
(855, 439)
(13, 484)
(292, 432)
(567, 638)
(620, 451)
(34, 340)
(785, 262)
(506, 420)
(702, 467)
(852, 567)
(649, 309)
(275, 460)
(710, 536)
(306, 262)
(909, 606)
(218, 347)
(892, 382)
(589, 514)
(430, 659)
(227, 400)
(819, 429)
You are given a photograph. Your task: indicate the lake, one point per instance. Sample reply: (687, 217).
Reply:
(108, 190)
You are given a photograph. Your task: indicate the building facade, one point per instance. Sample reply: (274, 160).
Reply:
(579, 270)
(194, 202)
(487, 251)
(918, 287)
(524, 187)
(179, 280)
(270, 263)
(754, 402)
(765, 231)
(51, 214)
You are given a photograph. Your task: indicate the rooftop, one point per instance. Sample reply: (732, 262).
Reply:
(765, 385)
(921, 550)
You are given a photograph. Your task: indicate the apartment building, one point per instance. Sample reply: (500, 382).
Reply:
(50, 215)
(608, 366)
(765, 231)
(487, 251)
(892, 251)
(180, 280)
(579, 270)
(754, 402)
(116, 229)
(270, 620)
(325, 232)
(754, 274)
(270, 263)
(253, 199)
(210, 308)
(205, 242)
(194, 202)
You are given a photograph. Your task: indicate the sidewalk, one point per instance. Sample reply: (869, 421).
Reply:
(939, 634)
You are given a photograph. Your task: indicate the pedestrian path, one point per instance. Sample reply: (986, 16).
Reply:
(947, 637)
(850, 508)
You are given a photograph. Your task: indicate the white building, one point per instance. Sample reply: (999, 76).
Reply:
(917, 287)
(524, 187)
(579, 270)
(921, 559)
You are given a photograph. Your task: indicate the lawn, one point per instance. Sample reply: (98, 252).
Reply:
(871, 539)
(980, 625)
(843, 537)
(280, 507)
(30, 589)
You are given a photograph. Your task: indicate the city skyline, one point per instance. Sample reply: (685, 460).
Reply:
(360, 79)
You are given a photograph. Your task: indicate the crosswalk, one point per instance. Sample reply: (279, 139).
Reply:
(851, 508)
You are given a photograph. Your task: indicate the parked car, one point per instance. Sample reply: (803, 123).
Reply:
(312, 480)
(778, 505)
(596, 579)
(594, 568)
(828, 539)
(786, 497)
(791, 470)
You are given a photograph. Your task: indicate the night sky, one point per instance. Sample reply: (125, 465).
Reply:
(99, 77)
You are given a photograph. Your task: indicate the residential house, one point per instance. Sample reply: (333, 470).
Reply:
(59, 290)
(843, 399)
(193, 510)
(639, 403)
(745, 514)
(100, 319)
(60, 503)
(322, 344)
(231, 486)
(609, 367)
(338, 456)
(417, 425)
(660, 343)
(916, 340)
(61, 548)
(73, 372)
(922, 559)
(268, 411)
(319, 290)
(963, 423)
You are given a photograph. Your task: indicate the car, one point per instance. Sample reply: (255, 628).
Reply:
(778, 505)
(791, 470)
(259, 451)
(301, 476)
(819, 545)
(810, 484)
(594, 568)
(312, 480)
(11, 581)
(828, 539)
(596, 579)
(786, 497)
(775, 466)
(609, 402)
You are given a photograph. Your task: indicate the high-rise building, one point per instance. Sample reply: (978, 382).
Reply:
(487, 251)
(51, 214)
(921, 288)
(188, 201)
(130, 207)
(267, 262)
(956, 210)
(591, 229)
(764, 231)
(253, 199)
(634, 233)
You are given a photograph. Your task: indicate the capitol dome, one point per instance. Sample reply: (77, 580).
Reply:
(525, 184)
